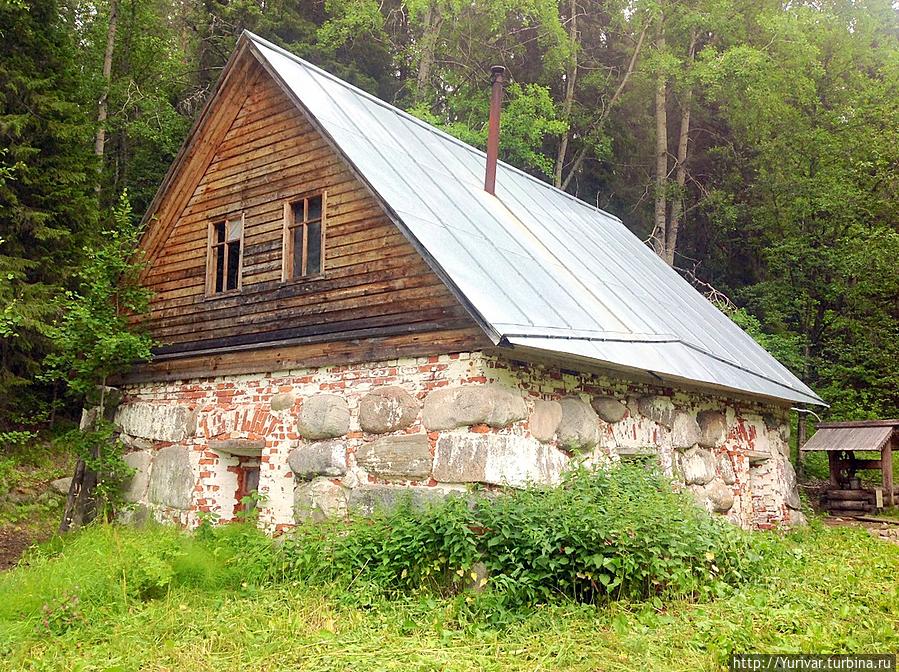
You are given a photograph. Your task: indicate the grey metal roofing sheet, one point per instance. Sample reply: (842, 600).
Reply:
(849, 438)
(533, 262)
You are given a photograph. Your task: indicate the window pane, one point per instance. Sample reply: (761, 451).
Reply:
(297, 233)
(315, 208)
(314, 249)
(233, 264)
(235, 228)
(298, 216)
(219, 233)
(219, 263)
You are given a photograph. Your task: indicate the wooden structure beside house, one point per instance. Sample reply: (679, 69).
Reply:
(841, 441)
(346, 313)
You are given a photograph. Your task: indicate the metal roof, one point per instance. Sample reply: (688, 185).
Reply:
(540, 269)
(849, 438)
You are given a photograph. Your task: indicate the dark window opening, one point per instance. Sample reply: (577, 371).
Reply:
(247, 487)
(305, 238)
(225, 255)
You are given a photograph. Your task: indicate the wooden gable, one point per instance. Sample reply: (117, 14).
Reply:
(252, 154)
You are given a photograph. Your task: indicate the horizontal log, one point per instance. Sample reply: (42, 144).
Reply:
(849, 495)
(849, 505)
(283, 358)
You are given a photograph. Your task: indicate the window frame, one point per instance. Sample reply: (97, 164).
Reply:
(211, 246)
(289, 224)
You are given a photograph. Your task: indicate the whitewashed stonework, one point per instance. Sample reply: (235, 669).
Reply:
(469, 417)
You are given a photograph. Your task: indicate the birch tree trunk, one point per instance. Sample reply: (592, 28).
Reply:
(429, 36)
(680, 175)
(100, 142)
(659, 242)
(570, 77)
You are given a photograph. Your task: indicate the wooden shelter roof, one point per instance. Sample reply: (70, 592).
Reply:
(862, 435)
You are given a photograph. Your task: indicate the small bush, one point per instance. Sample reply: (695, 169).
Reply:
(621, 533)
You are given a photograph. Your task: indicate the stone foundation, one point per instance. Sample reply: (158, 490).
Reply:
(331, 440)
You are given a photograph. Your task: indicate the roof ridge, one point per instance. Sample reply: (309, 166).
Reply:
(410, 117)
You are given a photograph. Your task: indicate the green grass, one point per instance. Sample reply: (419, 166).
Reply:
(26, 470)
(822, 590)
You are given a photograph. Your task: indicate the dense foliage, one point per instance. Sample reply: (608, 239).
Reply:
(601, 535)
(754, 145)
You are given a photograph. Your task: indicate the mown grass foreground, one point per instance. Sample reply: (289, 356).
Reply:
(112, 598)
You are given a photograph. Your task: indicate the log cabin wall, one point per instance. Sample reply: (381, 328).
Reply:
(375, 288)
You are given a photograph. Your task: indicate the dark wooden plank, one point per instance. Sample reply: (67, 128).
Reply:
(276, 357)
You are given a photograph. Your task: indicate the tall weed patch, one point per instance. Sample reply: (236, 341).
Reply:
(622, 533)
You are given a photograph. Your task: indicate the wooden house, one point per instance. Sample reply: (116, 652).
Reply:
(346, 313)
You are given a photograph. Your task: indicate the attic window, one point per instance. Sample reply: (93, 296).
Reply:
(224, 258)
(304, 237)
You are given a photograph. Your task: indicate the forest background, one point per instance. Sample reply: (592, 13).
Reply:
(754, 144)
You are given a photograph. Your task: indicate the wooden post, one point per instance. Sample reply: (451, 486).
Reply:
(834, 464)
(801, 438)
(886, 464)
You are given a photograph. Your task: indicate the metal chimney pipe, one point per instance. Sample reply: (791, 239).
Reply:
(498, 73)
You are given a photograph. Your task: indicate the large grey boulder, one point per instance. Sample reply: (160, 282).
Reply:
(796, 519)
(685, 432)
(323, 458)
(658, 409)
(387, 409)
(135, 490)
(579, 428)
(324, 416)
(157, 422)
(318, 500)
(715, 497)
(453, 407)
(713, 428)
(61, 485)
(242, 447)
(370, 498)
(720, 496)
(609, 409)
(282, 401)
(497, 459)
(544, 420)
(171, 478)
(789, 486)
(726, 469)
(406, 457)
(698, 466)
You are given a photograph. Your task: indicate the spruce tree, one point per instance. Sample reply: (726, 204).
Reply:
(47, 182)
